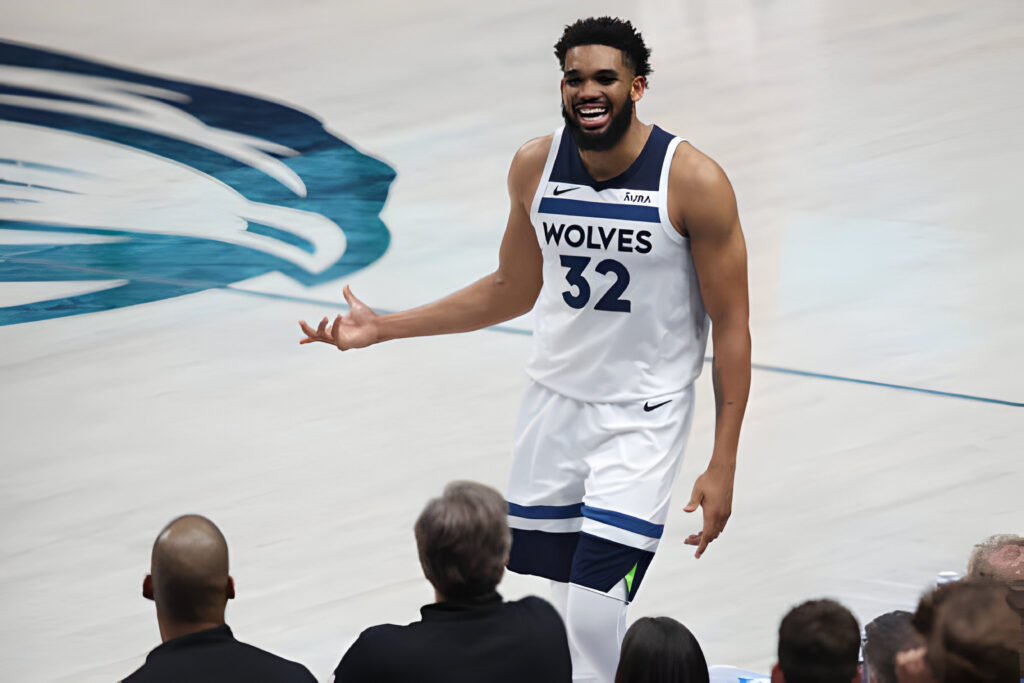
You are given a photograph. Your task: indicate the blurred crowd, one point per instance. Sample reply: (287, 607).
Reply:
(969, 630)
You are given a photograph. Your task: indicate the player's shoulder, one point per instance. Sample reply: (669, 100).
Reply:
(528, 166)
(694, 171)
(533, 154)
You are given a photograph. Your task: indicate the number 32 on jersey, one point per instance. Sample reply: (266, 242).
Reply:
(578, 294)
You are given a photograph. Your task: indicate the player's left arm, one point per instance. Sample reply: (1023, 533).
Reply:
(706, 211)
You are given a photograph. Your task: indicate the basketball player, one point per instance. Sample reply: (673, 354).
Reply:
(623, 239)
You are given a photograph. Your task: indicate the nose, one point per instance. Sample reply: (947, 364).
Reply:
(589, 90)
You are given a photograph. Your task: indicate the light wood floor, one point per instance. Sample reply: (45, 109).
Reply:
(876, 150)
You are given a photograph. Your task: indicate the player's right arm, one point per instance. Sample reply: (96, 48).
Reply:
(509, 291)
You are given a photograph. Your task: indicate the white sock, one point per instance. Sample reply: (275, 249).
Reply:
(595, 623)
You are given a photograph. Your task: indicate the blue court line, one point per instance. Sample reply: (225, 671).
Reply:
(887, 385)
(519, 331)
(707, 359)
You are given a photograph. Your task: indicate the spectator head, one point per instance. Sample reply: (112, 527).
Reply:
(1001, 558)
(463, 540)
(888, 635)
(188, 576)
(971, 634)
(660, 650)
(818, 643)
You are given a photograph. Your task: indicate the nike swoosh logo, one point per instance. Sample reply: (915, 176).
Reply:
(559, 190)
(648, 408)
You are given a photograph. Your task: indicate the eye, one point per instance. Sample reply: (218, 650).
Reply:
(605, 80)
(572, 81)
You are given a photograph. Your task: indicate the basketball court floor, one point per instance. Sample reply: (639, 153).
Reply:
(180, 185)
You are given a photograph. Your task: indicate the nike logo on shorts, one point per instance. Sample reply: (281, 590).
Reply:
(648, 407)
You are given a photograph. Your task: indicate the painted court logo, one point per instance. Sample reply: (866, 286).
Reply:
(119, 188)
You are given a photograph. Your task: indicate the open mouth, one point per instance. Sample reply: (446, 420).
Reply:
(592, 116)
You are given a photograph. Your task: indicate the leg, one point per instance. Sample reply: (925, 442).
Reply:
(595, 624)
(560, 596)
(632, 467)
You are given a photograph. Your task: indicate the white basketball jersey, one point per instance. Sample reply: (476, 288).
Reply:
(620, 315)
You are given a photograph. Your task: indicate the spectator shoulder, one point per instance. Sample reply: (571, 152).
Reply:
(373, 647)
(541, 608)
(284, 670)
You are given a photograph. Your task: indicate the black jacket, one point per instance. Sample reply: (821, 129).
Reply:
(215, 656)
(470, 641)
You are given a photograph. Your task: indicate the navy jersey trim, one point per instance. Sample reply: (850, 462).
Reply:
(575, 207)
(546, 511)
(643, 174)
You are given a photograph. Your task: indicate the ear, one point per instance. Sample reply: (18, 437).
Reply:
(147, 587)
(777, 676)
(637, 88)
(231, 588)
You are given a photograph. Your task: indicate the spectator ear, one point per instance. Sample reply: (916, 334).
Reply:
(147, 587)
(777, 676)
(231, 588)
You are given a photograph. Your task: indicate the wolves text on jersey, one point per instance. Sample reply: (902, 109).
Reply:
(598, 237)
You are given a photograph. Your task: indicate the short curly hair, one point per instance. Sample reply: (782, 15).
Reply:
(610, 31)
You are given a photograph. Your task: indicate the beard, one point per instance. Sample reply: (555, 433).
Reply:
(600, 142)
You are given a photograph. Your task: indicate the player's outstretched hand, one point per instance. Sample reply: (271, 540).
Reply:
(354, 330)
(713, 492)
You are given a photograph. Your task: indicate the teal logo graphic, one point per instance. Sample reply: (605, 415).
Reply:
(120, 188)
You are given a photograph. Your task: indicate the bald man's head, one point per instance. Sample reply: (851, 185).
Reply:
(189, 571)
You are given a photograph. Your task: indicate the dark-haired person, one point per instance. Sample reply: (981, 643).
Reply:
(190, 584)
(887, 636)
(819, 641)
(623, 239)
(661, 650)
(470, 634)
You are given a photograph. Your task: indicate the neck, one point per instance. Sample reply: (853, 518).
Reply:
(171, 629)
(610, 163)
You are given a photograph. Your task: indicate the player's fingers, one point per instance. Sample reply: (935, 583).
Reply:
(714, 525)
(350, 297)
(322, 327)
(704, 540)
(308, 331)
(692, 539)
(695, 499)
(336, 332)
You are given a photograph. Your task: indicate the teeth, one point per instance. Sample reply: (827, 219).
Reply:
(592, 111)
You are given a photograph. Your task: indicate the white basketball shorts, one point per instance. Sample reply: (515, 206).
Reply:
(590, 485)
